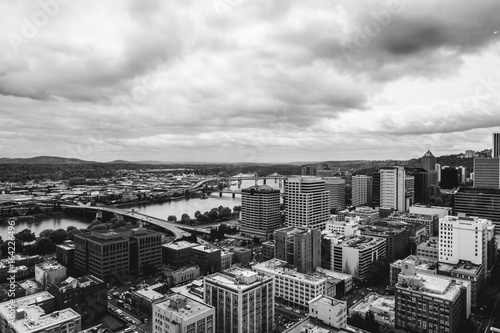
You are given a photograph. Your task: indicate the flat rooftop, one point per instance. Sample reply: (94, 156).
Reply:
(361, 242)
(206, 248)
(191, 309)
(432, 285)
(279, 267)
(149, 294)
(50, 266)
(180, 245)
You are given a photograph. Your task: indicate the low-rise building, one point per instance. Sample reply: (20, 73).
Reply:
(49, 272)
(146, 297)
(183, 274)
(177, 254)
(431, 222)
(329, 310)
(181, 314)
(347, 281)
(11, 291)
(293, 288)
(430, 210)
(207, 257)
(382, 308)
(35, 314)
(226, 260)
(268, 249)
(65, 254)
(429, 248)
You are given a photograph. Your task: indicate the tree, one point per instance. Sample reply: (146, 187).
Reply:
(236, 209)
(197, 213)
(202, 219)
(46, 233)
(119, 223)
(69, 228)
(185, 219)
(213, 214)
(73, 232)
(45, 245)
(219, 209)
(172, 218)
(225, 212)
(58, 236)
(370, 323)
(25, 236)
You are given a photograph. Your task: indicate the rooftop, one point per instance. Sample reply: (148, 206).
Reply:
(148, 293)
(279, 267)
(206, 248)
(49, 266)
(431, 285)
(361, 242)
(183, 307)
(180, 245)
(237, 278)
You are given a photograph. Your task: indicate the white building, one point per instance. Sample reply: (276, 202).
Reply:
(243, 300)
(430, 210)
(361, 190)
(348, 228)
(355, 255)
(329, 310)
(463, 238)
(182, 314)
(307, 202)
(396, 188)
(294, 288)
(183, 274)
(346, 278)
(49, 272)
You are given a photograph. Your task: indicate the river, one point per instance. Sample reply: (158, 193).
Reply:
(160, 210)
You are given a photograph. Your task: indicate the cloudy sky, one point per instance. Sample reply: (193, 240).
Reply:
(248, 80)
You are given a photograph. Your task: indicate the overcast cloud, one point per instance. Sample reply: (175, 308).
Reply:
(248, 80)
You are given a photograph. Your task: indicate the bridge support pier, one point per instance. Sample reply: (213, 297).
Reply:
(265, 181)
(234, 195)
(98, 214)
(119, 217)
(239, 183)
(220, 194)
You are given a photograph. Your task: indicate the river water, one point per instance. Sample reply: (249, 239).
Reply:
(160, 210)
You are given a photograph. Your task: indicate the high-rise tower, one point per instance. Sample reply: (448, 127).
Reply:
(428, 161)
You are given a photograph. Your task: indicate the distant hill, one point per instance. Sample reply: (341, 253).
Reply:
(44, 160)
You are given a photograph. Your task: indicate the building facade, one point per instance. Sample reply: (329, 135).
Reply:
(260, 211)
(487, 172)
(336, 186)
(243, 301)
(362, 190)
(396, 188)
(300, 247)
(307, 202)
(428, 161)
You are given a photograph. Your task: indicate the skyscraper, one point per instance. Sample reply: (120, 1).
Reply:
(260, 211)
(336, 186)
(449, 178)
(496, 145)
(243, 301)
(307, 202)
(362, 190)
(396, 188)
(487, 172)
(428, 161)
(484, 203)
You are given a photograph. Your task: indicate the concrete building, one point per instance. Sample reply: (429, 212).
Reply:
(329, 310)
(182, 275)
(449, 178)
(125, 251)
(463, 238)
(183, 314)
(293, 288)
(496, 145)
(177, 254)
(483, 203)
(396, 188)
(430, 210)
(397, 238)
(226, 259)
(430, 303)
(438, 172)
(355, 255)
(11, 291)
(268, 250)
(487, 173)
(428, 161)
(87, 295)
(307, 202)
(35, 314)
(145, 298)
(347, 228)
(362, 190)
(49, 272)
(336, 186)
(300, 247)
(260, 211)
(431, 222)
(207, 257)
(367, 215)
(243, 300)
(429, 248)
(382, 308)
(65, 254)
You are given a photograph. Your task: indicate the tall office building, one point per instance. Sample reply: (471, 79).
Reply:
(336, 186)
(260, 211)
(243, 301)
(483, 203)
(124, 251)
(422, 183)
(376, 190)
(438, 172)
(300, 247)
(449, 178)
(496, 145)
(396, 188)
(307, 202)
(463, 238)
(428, 161)
(487, 172)
(362, 190)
